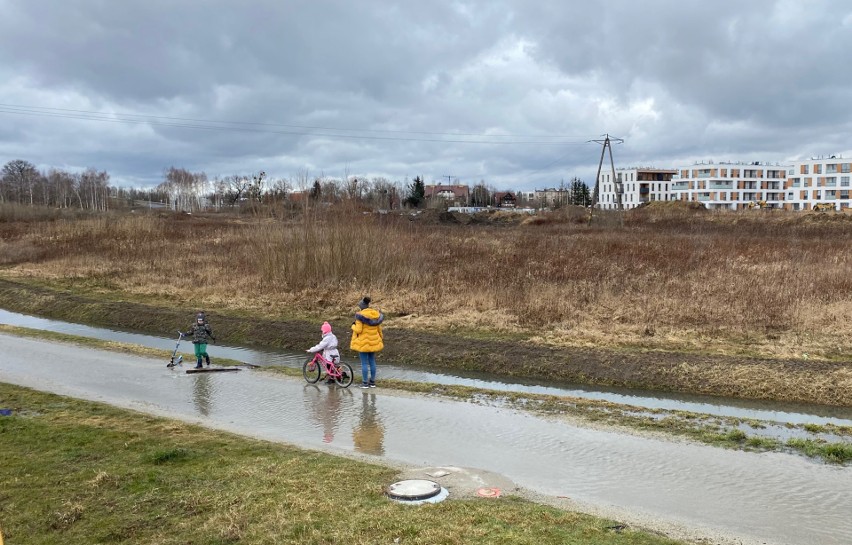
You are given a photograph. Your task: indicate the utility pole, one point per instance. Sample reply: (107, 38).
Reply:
(449, 178)
(617, 186)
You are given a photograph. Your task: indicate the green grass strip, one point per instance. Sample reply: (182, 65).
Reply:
(76, 472)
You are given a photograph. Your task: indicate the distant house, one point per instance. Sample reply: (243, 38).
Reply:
(297, 196)
(453, 195)
(552, 197)
(505, 199)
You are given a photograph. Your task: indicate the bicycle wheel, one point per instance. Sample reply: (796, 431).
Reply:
(311, 371)
(345, 378)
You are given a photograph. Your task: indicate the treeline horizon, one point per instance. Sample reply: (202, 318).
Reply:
(21, 182)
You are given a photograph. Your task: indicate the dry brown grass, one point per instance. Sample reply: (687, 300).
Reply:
(755, 283)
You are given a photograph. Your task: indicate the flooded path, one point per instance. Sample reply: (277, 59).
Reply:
(783, 413)
(760, 498)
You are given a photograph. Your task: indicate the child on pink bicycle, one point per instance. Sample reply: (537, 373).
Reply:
(328, 345)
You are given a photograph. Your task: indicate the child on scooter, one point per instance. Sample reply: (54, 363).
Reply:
(200, 332)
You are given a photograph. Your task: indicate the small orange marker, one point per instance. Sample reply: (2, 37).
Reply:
(488, 492)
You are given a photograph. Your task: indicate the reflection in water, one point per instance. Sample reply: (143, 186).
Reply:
(202, 391)
(324, 402)
(739, 408)
(369, 435)
(767, 497)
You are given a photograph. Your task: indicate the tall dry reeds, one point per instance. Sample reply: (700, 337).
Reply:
(767, 282)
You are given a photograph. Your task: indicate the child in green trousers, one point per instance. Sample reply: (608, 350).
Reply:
(200, 332)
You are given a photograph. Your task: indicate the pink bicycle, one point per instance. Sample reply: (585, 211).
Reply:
(319, 367)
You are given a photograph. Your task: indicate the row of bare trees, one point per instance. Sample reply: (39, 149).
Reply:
(21, 182)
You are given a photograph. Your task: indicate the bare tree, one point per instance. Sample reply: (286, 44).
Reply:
(92, 189)
(186, 190)
(236, 187)
(382, 193)
(279, 189)
(63, 187)
(18, 182)
(355, 188)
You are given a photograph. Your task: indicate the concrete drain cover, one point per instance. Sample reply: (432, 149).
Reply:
(414, 490)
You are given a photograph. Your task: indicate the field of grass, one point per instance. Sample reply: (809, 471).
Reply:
(743, 284)
(774, 284)
(76, 472)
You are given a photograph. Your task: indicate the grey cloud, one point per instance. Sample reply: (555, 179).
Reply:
(676, 79)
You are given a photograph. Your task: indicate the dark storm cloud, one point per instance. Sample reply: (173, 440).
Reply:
(678, 80)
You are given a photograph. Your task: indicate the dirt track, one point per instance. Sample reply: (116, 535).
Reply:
(826, 383)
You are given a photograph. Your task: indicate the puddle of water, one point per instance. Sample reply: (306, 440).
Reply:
(758, 410)
(769, 497)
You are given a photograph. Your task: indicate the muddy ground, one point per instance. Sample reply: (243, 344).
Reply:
(808, 381)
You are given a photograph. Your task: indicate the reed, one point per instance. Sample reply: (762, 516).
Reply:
(777, 284)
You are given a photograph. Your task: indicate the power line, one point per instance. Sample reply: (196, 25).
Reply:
(550, 164)
(201, 124)
(617, 186)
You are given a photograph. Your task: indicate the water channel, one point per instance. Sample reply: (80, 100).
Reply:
(770, 498)
(782, 413)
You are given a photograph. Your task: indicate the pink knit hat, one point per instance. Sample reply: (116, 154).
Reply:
(326, 328)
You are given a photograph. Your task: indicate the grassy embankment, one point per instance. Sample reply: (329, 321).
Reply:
(752, 305)
(76, 472)
(716, 431)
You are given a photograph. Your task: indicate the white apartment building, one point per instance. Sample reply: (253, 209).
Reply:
(637, 186)
(823, 182)
(733, 186)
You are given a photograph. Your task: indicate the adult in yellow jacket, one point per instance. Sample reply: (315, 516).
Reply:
(367, 340)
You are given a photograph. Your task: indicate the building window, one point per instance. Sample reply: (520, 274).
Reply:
(817, 169)
(831, 168)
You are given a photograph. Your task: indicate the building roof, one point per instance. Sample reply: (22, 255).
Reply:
(458, 191)
(500, 195)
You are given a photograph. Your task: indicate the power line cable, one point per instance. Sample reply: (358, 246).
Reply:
(179, 122)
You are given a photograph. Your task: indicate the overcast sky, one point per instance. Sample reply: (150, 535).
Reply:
(509, 92)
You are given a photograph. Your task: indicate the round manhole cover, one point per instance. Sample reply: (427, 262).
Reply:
(413, 489)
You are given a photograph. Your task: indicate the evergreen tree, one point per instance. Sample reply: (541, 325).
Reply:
(416, 193)
(316, 191)
(580, 195)
(480, 195)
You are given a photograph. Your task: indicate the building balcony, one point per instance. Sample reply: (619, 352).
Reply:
(721, 185)
(679, 186)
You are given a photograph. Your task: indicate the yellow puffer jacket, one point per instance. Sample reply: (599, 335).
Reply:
(367, 331)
